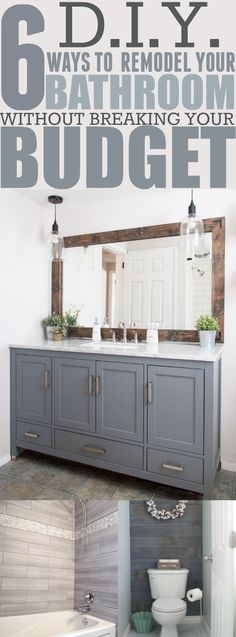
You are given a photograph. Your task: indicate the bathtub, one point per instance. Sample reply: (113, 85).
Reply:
(62, 624)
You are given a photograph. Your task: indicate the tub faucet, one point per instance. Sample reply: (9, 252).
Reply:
(87, 600)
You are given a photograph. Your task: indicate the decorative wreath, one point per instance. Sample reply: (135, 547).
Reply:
(162, 514)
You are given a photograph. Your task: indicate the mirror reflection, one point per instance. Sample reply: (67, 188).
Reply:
(139, 282)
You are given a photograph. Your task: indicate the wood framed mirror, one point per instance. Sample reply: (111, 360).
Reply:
(215, 228)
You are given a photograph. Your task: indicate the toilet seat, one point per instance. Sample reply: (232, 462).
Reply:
(169, 605)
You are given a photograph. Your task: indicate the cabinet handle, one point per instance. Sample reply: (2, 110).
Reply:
(150, 396)
(90, 385)
(98, 385)
(173, 467)
(46, 385)
(28, 434)
(94, 450)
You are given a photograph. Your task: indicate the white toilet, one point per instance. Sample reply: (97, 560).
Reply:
(168, 588)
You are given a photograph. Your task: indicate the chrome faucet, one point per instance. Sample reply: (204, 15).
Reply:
(124, 333)
(85, 608)
(87, 600)
(135, 337)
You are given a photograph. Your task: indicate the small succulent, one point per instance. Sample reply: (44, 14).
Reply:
(59, 330)
(207, 324)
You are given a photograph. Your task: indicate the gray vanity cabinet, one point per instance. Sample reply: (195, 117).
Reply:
(120, 400)
(176, 408)
(151, 418)
(33, 388)
(74, 396)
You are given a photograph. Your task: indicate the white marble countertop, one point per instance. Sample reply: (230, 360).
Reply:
(164, 350)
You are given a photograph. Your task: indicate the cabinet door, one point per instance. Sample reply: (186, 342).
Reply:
(75, 394)
(33, 388)
(176, 408)
(120, 390)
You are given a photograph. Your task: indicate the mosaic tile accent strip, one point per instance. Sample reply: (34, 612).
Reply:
(104, 523)
(35, 527)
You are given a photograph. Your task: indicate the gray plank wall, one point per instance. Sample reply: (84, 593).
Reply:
(153, 539)
(96, 557)
(36, 570)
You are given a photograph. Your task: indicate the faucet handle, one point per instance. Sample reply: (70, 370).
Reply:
(88, 597)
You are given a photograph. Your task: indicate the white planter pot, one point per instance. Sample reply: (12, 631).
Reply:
(207, 339)
(49, 332)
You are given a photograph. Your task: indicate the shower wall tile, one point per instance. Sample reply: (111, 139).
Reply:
(96, 556)
(36, 570)
(153, 539)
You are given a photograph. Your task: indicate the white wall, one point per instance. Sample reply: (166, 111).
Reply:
(24, 287)
(24, 280)
(108, 210)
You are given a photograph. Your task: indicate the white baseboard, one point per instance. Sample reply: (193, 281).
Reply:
(229, 466)
(207, 629)
(5, 460)
(127, 631)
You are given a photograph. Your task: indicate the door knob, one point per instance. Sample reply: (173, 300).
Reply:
(207, 558)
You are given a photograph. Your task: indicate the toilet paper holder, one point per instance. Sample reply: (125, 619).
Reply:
(195, 595)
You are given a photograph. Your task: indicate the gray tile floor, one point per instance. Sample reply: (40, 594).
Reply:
(35, 476)
(187, 630)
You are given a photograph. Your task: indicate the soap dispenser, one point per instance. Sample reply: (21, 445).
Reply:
(96, 331)
(152, 334)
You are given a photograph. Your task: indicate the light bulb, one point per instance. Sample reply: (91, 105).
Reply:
(192, 233)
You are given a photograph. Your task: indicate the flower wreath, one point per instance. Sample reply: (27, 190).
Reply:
(162, 514)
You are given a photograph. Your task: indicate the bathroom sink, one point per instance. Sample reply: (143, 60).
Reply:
(108, 345)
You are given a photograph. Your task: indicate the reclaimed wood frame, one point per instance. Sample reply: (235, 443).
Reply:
(215, 225)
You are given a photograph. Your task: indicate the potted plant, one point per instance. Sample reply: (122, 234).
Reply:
(71, 317)
(52, 322)
(58, 333)
(207, 327)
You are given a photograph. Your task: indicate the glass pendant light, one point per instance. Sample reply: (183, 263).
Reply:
(55, 238)
(192, 233)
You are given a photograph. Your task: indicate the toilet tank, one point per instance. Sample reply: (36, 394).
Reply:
(168, 583)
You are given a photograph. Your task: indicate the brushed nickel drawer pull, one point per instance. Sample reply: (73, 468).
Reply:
(97, 385)
(28, 434)
(46, 385)
(94, 450)
(150, 396)
(90, 385)
(173, 467)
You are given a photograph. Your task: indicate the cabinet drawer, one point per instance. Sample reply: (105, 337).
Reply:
(175, 465)
(34, 434)
(99, 449)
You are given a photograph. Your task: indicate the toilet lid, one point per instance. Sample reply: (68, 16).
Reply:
(169, 605)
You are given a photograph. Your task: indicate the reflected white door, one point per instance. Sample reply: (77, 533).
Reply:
(220, 571)
(149, 287)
